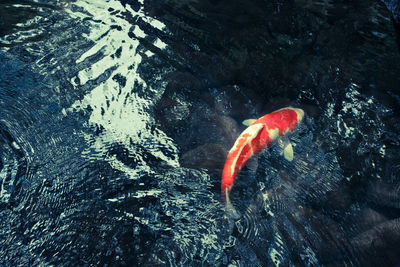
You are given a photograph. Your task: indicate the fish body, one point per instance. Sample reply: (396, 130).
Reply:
(260, 134)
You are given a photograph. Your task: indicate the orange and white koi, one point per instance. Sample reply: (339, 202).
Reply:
(261, 133)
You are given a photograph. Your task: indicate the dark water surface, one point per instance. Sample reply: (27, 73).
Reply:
(116, 118)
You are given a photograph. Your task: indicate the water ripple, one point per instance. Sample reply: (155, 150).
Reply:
(104, 106)
(13, 166)
(115, 103)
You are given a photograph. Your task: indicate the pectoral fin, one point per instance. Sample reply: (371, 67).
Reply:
(248, 122)
(288, 151)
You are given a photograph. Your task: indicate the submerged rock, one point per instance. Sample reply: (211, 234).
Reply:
(209, 156)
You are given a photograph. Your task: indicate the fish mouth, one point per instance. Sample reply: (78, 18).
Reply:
(300, 114)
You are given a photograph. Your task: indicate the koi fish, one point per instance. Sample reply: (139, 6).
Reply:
(260, 133)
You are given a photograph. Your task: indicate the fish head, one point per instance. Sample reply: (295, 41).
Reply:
(300, 114)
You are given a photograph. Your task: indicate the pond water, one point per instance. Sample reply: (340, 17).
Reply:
(116, 118)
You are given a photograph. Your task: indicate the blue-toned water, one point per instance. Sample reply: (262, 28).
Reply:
(116, 118)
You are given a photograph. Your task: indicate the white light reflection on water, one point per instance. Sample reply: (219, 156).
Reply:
(117, 108)
(122, 113)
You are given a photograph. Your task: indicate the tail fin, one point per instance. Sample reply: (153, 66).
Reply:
(229, 208)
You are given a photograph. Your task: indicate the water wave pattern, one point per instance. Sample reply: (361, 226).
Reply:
(192, 221)
(88, 177)
(54, 181)
(121, 101)
(353, 140)
(21, 20)
(283, 224)
(394, 7)
(106, 180)
(41, 166)
(120, 105)
(13, 166)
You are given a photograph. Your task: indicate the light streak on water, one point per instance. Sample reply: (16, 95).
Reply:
(114, 106)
